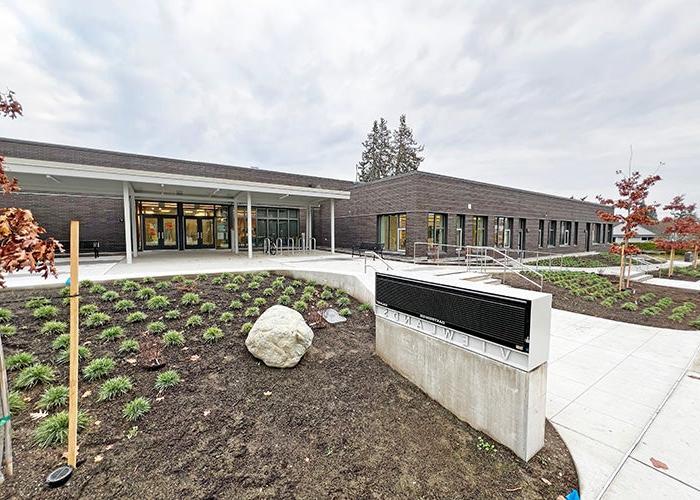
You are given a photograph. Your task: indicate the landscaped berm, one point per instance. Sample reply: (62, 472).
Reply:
(174, 406)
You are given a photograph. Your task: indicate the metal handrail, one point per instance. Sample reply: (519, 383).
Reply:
(480, 257)
(375, 256)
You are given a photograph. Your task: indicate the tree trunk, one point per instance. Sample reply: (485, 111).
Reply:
(6, 438)
(695, 257)
(670, 264)
(622, 265)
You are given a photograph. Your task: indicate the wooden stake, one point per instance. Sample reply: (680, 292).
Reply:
(6, 441)
(74, 339)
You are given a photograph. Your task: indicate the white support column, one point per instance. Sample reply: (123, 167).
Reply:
(249, 226)
(309, 226)
(134, 221)
(127, 221)
(235, 227)
(332, 225)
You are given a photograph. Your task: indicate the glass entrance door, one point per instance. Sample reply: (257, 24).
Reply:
(199, 232)
(159, 232)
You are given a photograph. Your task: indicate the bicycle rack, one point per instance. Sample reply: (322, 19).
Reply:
(267, 243)
(290, 244)
(278, 243)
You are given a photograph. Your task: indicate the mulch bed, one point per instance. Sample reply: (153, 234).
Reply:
(341, 424)
(562, 299)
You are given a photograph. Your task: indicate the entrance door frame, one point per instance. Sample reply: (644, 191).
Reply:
(160, 229)
(200, 243)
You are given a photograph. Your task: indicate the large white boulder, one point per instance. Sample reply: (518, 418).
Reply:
(279, 337)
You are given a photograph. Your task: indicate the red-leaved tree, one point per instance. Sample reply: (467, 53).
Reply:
(681, 229)
(21, 244)
(631, 211)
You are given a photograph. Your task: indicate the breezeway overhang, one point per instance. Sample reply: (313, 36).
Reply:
(68, 178)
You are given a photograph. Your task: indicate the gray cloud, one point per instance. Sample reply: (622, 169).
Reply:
(540, 95)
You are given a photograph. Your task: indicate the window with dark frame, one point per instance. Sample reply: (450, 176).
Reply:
(479, 233)
(540, 234)
(503, 232)
(552, 235)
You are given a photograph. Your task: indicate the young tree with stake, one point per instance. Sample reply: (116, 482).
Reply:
(631, 211)
(681, 229)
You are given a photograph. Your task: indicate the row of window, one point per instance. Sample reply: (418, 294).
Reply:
(391, 231)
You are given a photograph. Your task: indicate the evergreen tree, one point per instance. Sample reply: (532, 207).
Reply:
(406, 149)
(377, 157)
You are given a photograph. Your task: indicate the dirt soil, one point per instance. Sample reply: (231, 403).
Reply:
(341, 424)
(562, 299)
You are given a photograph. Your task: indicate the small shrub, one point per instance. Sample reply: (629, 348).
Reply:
(86, 284)
(300, 306)
(35, 374)
(194, 320)
(173, 338)
(61, 342)
(677, 317)
(695, 323)
(111, 333)
(609, 302)
(156, 327)
(158, 302)
(130, 286)
(163, 285)
(207, 308)
(109, 296)
(202, 277)
(136, 317)
(53, 430)
(284, 300)
(485, 446)
(231, 287)
(190, 299)
(5, 315)
(245, 297)
(63, 356)
(236, 304)
(227, 317)
(218, 280)
(345, 311)
(321, 304)
(629, 306)
(238, 279)
(212, 334)
(88, 309)
(664, 302)
(98, 368)
(246, 327)
(297, 283)
(177, 278)
(290, 290)
(96, 319)
(113, 387)
(645, 298)
(148, 279)
(252, 311)
(19, 360)
(166, 380)
(172, 314)
(364, 307)
(651, 311)
(309, 289)
(7, 330)
(53, 397)
(343, 301)
(128, 346)
(278, 283)
(145, 293)
(136, 408)
(16, 402)
(259, 301)
(37, 302)
(268, 292)
(253, 285)
(124, 305)
(589, 298)
(98, 289)
(306, 297)
(45, 312)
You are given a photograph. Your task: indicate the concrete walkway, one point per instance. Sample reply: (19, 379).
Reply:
(613, 388)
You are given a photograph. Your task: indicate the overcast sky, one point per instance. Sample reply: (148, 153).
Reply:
(538, 95)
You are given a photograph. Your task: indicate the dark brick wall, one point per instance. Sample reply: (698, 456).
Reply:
(71, 154)
(101, 218)
(419, 193)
